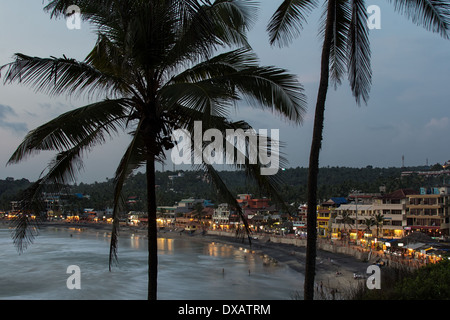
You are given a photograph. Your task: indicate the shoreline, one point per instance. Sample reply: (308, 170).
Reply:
(334, 271)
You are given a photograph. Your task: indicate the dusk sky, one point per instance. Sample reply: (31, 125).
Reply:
(407, 114)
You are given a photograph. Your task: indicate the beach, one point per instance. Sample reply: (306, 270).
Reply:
(334, 271)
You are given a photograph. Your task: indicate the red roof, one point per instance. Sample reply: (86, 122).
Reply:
(400, 194)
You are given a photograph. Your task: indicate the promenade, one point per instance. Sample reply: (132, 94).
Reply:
(339, 247)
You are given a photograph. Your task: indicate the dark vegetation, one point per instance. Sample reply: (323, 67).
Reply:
(333, 182)
(431, 282)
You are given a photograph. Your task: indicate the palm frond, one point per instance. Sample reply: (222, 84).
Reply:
(270, 184)
(64, 167)
(58, 8)
(25, 228)
(60, 134)
(220, 65)
(56, 76)
(133, 158)
(226, 194)
(211, 26)
(359, 65)
(273, 89)
(433, 15)
(287, 21)
(257, 154)
(338, 47)
(74, 128)
(232, 19)
(91, 10)
(224, 78)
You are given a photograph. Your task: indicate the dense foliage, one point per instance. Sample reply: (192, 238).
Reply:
(174, 186)
(431, 282)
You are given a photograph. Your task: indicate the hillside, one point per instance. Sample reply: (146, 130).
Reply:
(174, 186)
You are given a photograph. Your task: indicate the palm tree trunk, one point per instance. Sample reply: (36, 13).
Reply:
(152, 230)
(149, 133)
(310, 266)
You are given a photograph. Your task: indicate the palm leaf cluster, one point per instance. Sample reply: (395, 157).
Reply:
(345, 51)
(157, 66)
(350, 52)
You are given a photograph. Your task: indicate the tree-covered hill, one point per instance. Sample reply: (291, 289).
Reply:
(172, 186)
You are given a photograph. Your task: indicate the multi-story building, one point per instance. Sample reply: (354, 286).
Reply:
(428, 211)
(393, 209)
(299, 222)
(325, 214)
(247, 201)
(221, 216)
(350, 220)
(323, 219)
(393, 215)
(362, 197)
(53, 205)
(187, 205)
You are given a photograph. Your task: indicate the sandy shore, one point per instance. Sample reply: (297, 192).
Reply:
(334, 272)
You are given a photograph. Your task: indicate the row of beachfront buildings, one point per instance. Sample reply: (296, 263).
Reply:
(391, 215)
(357, 216)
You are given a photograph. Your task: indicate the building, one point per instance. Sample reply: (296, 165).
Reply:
(323, 219)
(363, 198)
(325, 212)
(187, 205)
(393, 208)
(299, 222)
(350, 221)
(247, 201)
(136, 218)
(52, 206)
(428, 211)
(221, 217)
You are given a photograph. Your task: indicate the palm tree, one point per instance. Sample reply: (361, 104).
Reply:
(369, 223)
(156, 69)
(379, 218)
(346, 219)
(345, 50)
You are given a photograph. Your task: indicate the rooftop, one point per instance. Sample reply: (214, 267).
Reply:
(399, 194)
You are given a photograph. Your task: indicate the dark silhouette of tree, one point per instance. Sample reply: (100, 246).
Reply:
(156, 69)
(345, 51)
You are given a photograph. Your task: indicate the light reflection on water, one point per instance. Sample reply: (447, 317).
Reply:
(188, 270)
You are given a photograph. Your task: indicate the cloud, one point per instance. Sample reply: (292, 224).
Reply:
(441, 123)
(17, 127)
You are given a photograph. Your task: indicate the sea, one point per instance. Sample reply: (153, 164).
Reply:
(72, 264)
